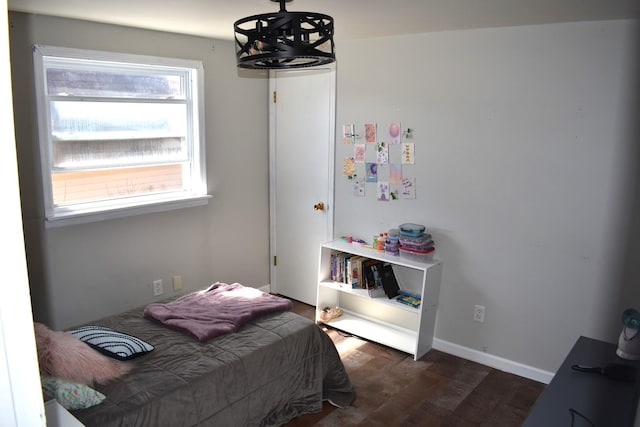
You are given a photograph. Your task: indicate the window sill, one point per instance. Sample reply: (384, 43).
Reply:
(87, 216)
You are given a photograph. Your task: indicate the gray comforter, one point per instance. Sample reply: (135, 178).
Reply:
(273, 369)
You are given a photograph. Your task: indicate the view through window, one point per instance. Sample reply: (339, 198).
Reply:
(117, 130)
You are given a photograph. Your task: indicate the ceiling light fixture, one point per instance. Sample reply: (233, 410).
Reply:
(284, 40)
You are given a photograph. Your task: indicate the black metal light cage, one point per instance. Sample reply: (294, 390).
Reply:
(284, 40)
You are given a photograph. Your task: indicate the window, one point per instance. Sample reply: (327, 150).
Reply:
(119, 134)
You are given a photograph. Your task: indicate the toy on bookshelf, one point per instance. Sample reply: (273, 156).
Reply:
(409, 299)
(329, 313)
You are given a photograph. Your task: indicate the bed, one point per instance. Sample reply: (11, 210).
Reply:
(274, 368)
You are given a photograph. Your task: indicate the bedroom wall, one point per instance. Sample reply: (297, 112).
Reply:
(527, 175)
(83, 272)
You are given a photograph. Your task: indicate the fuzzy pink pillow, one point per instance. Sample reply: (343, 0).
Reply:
(62, 355)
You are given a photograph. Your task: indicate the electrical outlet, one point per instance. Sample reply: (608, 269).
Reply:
(157, 288)
(478, 313)
(177, 283)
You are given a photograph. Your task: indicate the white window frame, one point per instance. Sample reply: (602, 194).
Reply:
(142, 204)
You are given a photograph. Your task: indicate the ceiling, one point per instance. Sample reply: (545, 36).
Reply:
(354, 19)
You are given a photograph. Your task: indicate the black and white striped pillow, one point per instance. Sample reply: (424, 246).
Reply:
(112, 343)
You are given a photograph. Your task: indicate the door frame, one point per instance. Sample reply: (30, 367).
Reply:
(273, 244)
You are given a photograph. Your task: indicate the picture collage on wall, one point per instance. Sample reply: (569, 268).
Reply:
(383, 159)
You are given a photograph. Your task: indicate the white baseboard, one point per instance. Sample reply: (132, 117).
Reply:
(266, 289)
(483, 358)
(493, 361)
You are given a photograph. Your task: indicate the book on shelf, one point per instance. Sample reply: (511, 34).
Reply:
(359, 272)
(339, 266)
(368, 273)
(353, 271)
(375, 292)
(388, 279)
(334, 257)
(374, 278)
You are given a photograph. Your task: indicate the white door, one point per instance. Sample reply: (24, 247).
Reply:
(20, 390)
(301, 177)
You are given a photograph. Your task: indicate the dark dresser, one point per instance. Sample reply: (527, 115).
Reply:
(605, 402)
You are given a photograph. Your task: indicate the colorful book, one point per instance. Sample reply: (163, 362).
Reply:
(343, 258)
(353, 276)
(359, 263)
(368, 273)
(373, 278)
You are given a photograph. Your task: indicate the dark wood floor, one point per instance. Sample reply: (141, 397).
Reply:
(438, 390)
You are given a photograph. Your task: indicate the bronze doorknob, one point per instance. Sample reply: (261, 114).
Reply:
(318, 206)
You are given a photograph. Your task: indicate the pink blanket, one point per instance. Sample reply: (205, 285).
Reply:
(217, 310)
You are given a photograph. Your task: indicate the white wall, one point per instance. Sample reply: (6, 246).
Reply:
(526, 172)
(83, 272)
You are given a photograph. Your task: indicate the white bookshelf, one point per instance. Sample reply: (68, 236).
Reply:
(383, 320)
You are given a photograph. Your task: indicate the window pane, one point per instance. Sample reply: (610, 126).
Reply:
(108, 134)
(116, 120)
(87, 186)
(73, 82)
(105, 153)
